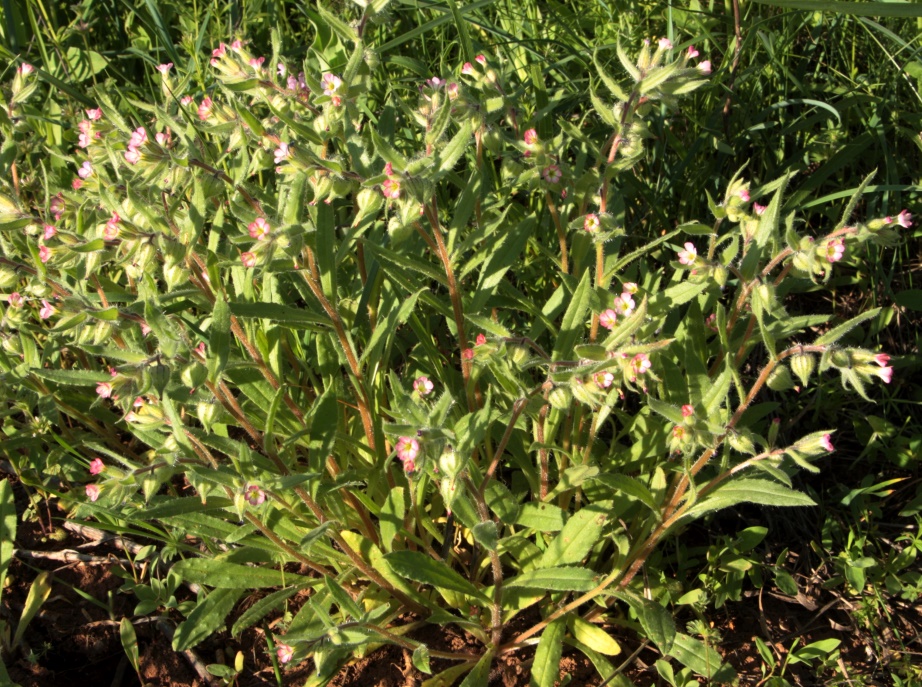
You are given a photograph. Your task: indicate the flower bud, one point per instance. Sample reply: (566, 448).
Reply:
(560, 398)
(840, 357)
(207, 413)
(520, 355)
(780, 379)
(8, 279)
(449, 464)
(742, 443)
(194, 375)
(803, 365)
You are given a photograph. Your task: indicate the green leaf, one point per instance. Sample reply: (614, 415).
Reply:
(631, 487)
(418, 567)
(72, 377)
(180, 506)
(261, 608)
(577, 537)
(38, 592)
(449, 155)
(343, 599)
(486, 534)
(7, 530)
(593, 636)
(610, 83)
(225, 575)
(702, 659)
(656, 621)
(668, 411)
(902, 10)
(130, 643)
(283, 314)
(833, 335)
(479, 676)
(546, 668)
(574, 319)
(544, 517)
(749, 490)
(391, 517)
(421, 659)
(771, 218)
(207, 617)
(219, 339)
(564, 579)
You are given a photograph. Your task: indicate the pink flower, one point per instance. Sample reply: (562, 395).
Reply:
(86, 170)
(835, 249)
(759, 209)
(552, 174)
(92, 491)
(15, 299)
(689, 255)
(640, 363)
(96, 466)
(691, 52)
(434, 83)
(330, 83)
(630, 287)
(480, 340)
(711, 322)
(423, 386)
(284, 652)
(679, 432)
(110, 231)
(164, 138)
(254, 495)
(104, 390)
(591, 223)
(704, 67)
(44, 253)
(624, 304)
(57, 206)
(468, 354)
(145, 329)
(531, 137)
(248, 259)
(688, 410)
(608, 318)
(47, 310)
(281, 153)
(201, 348)
(388, 169)
(165, 68)
(218, 53)
(885, 373)
(904, 219)
(138, 137)
(259, 229)
(95, 114)
(882, 359)
(665, 44)
(76, 184)
(467, 69)
(49, 231)
(391, 189)
(132, 156)
(603, 379)
(407, 449)
(236, 45)
(186, 100)
(204, 110)
(480, 59)
(257, 62)
(25, 69)
(138, 402)
(826, 442)
(281, 69)
(743, 194)
(453, 90)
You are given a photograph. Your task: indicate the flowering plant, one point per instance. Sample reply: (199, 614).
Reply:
(265, 294)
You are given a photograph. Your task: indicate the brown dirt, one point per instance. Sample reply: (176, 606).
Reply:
(74, 641)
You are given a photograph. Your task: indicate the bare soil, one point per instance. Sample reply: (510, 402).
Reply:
(75, 642)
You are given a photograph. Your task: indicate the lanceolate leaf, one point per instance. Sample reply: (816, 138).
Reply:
(546, 668)
(656, 621)
(565, 579)
(419, 567)
(205, 618)
(577, 537)
(226, 575)
(749, 490)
